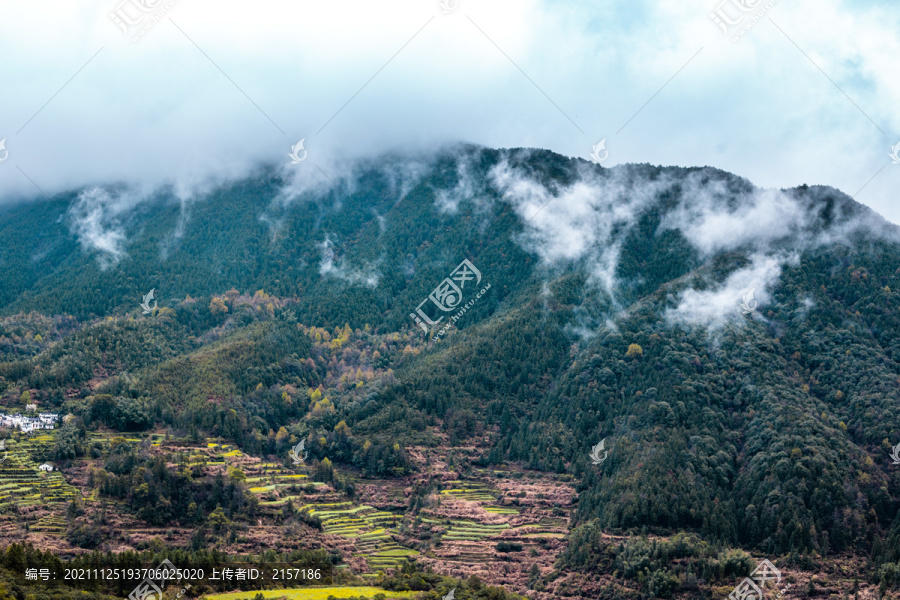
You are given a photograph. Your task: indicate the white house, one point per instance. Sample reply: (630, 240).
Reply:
(46, 467)
(29, 424)
(48, 418)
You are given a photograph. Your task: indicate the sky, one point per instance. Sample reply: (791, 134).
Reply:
(191, 92)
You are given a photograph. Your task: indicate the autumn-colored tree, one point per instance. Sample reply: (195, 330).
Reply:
(217, 306)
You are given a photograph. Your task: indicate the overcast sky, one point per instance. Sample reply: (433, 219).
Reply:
(810, 94)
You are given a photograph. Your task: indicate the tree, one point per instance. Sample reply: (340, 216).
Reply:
(15, 558)
(325, 471)
(634, 350)
(236, 475)
(217, 520)
(218, 306)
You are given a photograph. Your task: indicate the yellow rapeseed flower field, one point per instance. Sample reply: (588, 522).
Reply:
(314, 593)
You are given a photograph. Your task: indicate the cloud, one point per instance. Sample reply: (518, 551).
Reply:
(187, 190)
(94, 219)
(720, 304)
(716, 218)
(723, 214)
(217, 90)
(331, 266)
(585, 220)
(405, 172)
(588, 219)
(314, 180)
(465, 189)
(773, 227)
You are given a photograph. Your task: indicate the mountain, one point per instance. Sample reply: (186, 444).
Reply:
(736, 349)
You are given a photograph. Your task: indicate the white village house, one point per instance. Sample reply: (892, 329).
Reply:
(46, 467)
(29, 424)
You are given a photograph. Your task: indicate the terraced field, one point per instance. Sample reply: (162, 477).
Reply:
(482, 493)
(471, 491)
(369, 527)
(468, 539)
(52, 524)
(275, 489)
(22, 484)
(501, 510)
(473, 532)
(104, 439)
(458, 531)
(266, 479)
(498, 526)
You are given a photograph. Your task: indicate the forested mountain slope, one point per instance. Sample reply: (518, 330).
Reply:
(736, 348)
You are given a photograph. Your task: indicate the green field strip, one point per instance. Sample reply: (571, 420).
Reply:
(482, 525)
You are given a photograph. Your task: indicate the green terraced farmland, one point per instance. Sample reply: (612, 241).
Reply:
(368, 526)
(501, 510)
(280, 501)
(471, 531)
(22, 484)
(471, 491)
(50, 524)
